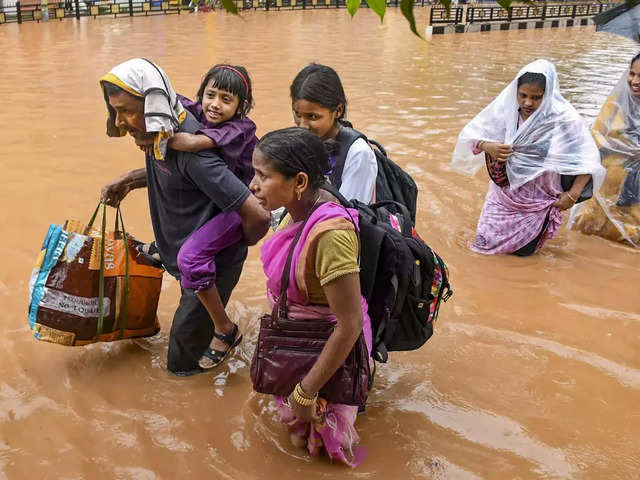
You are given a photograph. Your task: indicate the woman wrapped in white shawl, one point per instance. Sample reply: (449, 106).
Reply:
(533, 142)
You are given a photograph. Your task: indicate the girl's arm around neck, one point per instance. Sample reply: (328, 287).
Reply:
(188, 142)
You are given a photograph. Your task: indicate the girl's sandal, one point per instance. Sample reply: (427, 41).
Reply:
(212, 358)
(150, 252)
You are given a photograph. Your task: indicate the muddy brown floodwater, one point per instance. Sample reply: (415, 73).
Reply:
(534, 371)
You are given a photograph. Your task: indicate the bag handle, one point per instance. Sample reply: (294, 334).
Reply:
(125, 302)
(125, 306)
(95, 214)
(284, 281)
(356, 230)
(103, 228)
(327, 187)
(281, 305)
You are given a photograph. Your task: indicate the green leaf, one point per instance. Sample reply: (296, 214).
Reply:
(406, 6)
(505, 4)
(447, 6)
(353, 6)
(378, 6)
(230, 6)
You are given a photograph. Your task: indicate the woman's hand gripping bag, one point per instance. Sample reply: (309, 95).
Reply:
(89, 285)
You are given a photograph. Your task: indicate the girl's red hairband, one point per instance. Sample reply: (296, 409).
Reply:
(227, 67)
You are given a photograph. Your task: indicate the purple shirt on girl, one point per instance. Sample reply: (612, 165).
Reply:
(236, 140)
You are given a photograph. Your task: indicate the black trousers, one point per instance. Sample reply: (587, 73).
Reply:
(530, 247)
(192, 328)
(630, 189)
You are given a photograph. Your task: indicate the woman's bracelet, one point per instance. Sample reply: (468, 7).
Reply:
(303, 398)
(480, 144)
(573, 199)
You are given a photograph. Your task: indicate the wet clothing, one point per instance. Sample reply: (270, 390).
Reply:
(186, 190)
(235, 141)
(531, 247)
(192, 328)
(553, 141)
(614, 212)
(511, 219)
(323, 253)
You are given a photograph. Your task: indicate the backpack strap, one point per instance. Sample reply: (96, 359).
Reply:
(378, 146)
(333, 190)
(345, 138)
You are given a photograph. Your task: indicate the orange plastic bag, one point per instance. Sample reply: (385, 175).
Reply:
(88, 286)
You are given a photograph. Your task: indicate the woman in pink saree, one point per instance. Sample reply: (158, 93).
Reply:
(290, 166)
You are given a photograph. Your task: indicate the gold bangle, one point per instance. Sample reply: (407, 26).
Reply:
(305, 402)
(573, 199)
(303, 394)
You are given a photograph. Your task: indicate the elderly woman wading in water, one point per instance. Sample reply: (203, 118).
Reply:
(290, 167)
(539, 155)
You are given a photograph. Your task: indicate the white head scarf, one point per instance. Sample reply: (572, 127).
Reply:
(163, 111)
(554, 138)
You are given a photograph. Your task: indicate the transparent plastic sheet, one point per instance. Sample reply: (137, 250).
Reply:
(614, 212)
(554, 138)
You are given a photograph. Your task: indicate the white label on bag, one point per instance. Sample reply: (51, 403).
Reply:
(74, 245)
(86, 307)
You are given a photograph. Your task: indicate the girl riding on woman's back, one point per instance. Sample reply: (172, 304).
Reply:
(222, 104)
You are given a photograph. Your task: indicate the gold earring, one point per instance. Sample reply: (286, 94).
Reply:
(299, 195)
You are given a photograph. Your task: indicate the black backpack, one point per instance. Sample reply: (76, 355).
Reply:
(401, 277)
(392, 183)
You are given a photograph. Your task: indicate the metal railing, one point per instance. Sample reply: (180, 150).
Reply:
(22, 12)
(76, 9)
(439, 15)
(304, 4)
(519, 13)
